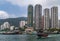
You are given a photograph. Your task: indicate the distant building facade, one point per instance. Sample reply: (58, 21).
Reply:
(30, 16)
(1, 27)
(22, 23)
(38, 16)
(42, 25)
(5, 25)
(59, 24)
(46, 18)
(54, 17)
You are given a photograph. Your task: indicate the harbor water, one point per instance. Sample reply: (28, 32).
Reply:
(54, 37)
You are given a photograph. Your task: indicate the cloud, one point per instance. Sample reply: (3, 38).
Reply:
(4, 15)
(33, 2)
(44, 3)
(13, 10)
(26, 2)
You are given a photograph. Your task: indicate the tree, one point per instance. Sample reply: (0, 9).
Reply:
(6, 29)
(53, 29)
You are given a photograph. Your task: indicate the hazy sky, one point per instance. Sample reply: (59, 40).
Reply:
(18, 8)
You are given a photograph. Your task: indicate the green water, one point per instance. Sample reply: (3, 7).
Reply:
(29, 38)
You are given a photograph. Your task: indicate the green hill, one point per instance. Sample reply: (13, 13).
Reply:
(13, 21)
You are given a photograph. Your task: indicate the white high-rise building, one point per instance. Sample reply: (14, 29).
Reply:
(6, 25)
(54, 17)
(1, 27)
(38, 16)
(46, 18)
(22, 23)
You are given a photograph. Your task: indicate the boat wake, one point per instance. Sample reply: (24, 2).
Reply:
(54, 35)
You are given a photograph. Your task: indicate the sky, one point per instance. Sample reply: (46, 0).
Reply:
(18, 8)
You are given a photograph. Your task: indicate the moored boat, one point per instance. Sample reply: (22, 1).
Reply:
(40, 33)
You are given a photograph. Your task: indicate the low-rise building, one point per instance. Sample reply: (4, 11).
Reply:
(12, 28)
(29, 30)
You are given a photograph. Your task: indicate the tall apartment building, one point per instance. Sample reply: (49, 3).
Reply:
(46, 18)
(30, 16)
(54, 17)
(38, 16)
